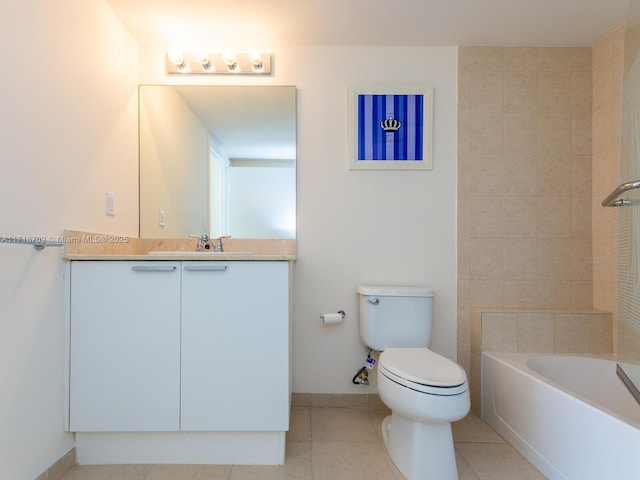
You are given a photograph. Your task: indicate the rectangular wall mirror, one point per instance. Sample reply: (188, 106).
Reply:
(219, 160)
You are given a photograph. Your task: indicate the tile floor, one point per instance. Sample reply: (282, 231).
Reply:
(339, 444)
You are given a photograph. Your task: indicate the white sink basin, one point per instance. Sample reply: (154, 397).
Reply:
(204, 254)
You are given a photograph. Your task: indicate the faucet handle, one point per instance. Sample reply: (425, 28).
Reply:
(203, 241)
(217, 246)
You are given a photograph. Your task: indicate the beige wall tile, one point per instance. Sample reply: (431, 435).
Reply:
(499, 332)
(602, 86)
(486, 92)
(464, 359)
(581, 217)
(520, 92)
(519, 174)
(604, 296)
(484, 175)
(520, 134)
(581, 259)
(556, 59)
(602, 138)
(602, 50)
(605, 259)
(581, 92)
(581, 60)
(485, 133)
(487, 217)
(520, 259)
(581, 294)
(486, 259)
(536, 332)
(464, 312)
(486, 293)
(520, 294)
(554, 258)
(572, 333)
(554, 217)
(628, 343)
(476, 331)
(464, 129)
(475, 383)
(553, 294)
(554, 134)
(581, 134)
(521, 59)
(554, 92)
(581, 175)
(553, 174)
(601, 333)
(463, 257)
(473, 60)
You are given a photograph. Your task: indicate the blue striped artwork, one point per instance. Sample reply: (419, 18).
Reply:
(390, 127)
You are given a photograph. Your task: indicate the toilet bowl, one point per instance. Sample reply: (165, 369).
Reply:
(425, 392)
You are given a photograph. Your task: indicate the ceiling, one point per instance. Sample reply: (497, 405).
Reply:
(266, 24)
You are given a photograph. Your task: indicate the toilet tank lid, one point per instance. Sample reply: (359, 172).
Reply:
(388, 291)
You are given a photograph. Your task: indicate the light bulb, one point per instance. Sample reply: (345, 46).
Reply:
(256, 61)
(229, 58)
(203, 59)
(175, 57)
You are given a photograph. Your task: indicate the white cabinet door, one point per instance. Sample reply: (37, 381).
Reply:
(235, 346)
(125, 346)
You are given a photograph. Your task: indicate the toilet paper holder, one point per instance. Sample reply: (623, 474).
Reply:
(341, 312)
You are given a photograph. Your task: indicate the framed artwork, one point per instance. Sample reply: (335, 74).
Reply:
(391, 127)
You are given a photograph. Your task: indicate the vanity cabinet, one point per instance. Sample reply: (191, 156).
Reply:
(179, 346)
(235, 346)
(124, 346)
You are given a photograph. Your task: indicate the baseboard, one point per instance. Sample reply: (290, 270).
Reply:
(347, 400)
(60, 468)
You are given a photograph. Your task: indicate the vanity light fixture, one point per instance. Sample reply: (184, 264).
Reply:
(212, 63)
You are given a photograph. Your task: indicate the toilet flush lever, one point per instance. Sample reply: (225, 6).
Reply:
(373, 301)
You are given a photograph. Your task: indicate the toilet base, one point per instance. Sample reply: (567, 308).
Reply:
(421, 451)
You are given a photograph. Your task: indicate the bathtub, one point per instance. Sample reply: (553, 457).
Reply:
(570, 416)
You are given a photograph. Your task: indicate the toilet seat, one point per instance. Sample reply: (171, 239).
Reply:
(422, 370)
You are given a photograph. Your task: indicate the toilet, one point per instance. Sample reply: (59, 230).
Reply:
(424, 391)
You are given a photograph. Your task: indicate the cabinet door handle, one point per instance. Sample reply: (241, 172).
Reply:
(153, 268)
(205, 268)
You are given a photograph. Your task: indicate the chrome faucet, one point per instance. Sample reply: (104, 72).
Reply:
(217, 246)
(204, 242)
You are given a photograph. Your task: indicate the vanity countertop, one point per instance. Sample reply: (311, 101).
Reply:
(97, 246)
(179, 256)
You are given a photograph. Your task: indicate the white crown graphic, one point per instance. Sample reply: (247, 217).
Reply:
(390, 124)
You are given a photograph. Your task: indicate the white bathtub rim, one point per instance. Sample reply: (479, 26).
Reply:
(518, 361)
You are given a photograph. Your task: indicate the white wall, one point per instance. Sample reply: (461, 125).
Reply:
(360, 227)
(68, 133)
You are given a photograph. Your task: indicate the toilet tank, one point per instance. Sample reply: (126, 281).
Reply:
(395, 316)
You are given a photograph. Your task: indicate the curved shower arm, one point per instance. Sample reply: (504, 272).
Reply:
(611, 201)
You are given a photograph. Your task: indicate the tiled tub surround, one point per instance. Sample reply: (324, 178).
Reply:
(524, 181)
(541, 331)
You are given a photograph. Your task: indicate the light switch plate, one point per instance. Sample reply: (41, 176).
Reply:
(111, 204)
